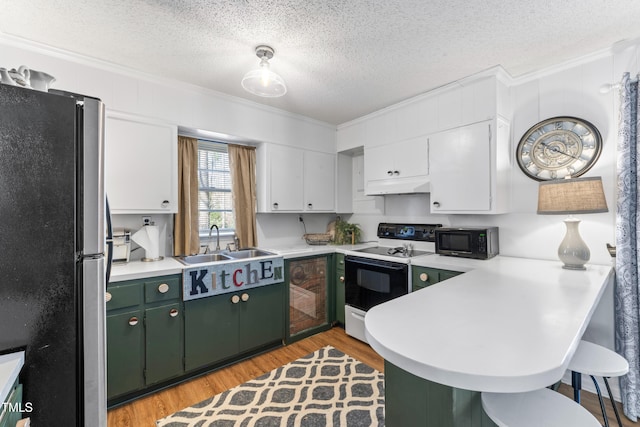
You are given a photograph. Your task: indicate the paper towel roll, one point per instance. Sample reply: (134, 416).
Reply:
(148, 237)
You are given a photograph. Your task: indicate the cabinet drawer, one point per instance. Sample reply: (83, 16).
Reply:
(162, 289)
(125, 295)
(423, 277)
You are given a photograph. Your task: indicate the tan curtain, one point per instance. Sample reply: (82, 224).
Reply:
(242, 162)
(185, 228)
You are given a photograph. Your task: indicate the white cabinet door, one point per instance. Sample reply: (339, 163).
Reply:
(141, 165)
(411, 158)
(397, 168)
(286, 171)
(379, 162)
(460, 169)
(319, 181)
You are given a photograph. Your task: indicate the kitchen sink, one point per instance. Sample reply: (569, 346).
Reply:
(202, 258)
(248, 253)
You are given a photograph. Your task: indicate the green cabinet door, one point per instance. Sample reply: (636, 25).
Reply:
(164, 343)
(211, 330)
(339, 289)
(261, 320)
(125, 352)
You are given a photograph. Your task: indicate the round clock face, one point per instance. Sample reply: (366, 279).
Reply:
(559, 147)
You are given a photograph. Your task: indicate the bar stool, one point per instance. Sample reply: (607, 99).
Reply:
(537, 408)
(594, 360)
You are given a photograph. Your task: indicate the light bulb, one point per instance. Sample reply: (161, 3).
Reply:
(265, 75)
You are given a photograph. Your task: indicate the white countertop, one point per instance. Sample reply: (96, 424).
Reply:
(507, 325)
(139, 269)
(10, 366)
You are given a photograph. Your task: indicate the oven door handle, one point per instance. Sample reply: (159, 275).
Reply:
(357, 316)
(386, 265)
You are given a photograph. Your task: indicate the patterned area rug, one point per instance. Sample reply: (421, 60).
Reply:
(324, 389)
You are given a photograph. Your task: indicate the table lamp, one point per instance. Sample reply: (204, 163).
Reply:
(572, 196)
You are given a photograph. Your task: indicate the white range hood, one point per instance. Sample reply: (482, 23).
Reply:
(412, 185)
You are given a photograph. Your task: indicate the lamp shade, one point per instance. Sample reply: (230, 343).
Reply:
(571, 196)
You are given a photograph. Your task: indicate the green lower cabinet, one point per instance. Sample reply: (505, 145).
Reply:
(144, 335)
(220, 327)
(262, 317)
(164, 342)
(211, 331)
(339, 287)
(125, 352)
(416, 402)
(426, 276)
(10, 412)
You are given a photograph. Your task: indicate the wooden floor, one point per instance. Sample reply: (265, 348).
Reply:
(145, 411)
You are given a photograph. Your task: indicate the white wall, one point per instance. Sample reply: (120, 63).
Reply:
(190, 107)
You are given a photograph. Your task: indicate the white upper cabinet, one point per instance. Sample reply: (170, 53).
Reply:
(319, 181)
(295, 180)
(469, 168)
(402, 167)
(141, 165)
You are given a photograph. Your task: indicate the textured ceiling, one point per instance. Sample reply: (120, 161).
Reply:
(341, 59)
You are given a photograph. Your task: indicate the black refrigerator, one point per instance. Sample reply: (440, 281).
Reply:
(52, 242)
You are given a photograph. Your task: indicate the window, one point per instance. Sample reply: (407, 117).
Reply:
(214, 195)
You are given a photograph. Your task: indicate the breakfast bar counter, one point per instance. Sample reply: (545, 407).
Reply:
(507, 325)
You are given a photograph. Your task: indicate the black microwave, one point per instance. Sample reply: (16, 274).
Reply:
(468, 242)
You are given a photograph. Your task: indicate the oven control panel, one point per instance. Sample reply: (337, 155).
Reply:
(418, 232)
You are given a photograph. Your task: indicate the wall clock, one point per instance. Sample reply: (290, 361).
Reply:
(559, 147)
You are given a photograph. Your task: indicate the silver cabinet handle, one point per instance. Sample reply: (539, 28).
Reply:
(390, 173)
(235, 299)
(275, 206)
(173, 312)
(310, 205)
(165, 203)
(342, 278)
(396, 173)
(107, 297)
(133, 321)
(163, 288)
(436, 204)
(245, 297)
(424, 277)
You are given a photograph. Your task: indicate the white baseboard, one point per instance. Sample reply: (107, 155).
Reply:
(587, 385)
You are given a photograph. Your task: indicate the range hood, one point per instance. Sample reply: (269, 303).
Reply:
(413, 185)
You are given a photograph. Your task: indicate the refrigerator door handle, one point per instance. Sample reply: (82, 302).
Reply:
(109, 242)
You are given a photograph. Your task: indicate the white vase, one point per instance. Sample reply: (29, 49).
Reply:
(573, 251)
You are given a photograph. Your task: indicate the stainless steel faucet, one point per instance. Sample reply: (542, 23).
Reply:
(236, 241)
(217, 236)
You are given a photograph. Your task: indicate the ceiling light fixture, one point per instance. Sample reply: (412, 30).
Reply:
(263, 81)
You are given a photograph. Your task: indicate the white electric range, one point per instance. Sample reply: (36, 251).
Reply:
(378, 274)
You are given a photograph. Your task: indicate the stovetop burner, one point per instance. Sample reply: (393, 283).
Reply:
(399, 251)
(400, 238)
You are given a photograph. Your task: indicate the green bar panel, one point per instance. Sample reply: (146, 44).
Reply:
(416, 402)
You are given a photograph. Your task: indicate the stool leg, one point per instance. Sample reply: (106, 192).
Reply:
(613, 403)
(576, 383)
(602, 408)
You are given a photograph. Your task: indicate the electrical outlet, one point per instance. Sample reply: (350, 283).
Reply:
(146, 220)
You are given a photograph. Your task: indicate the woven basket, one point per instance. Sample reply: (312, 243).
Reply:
(317, 238)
